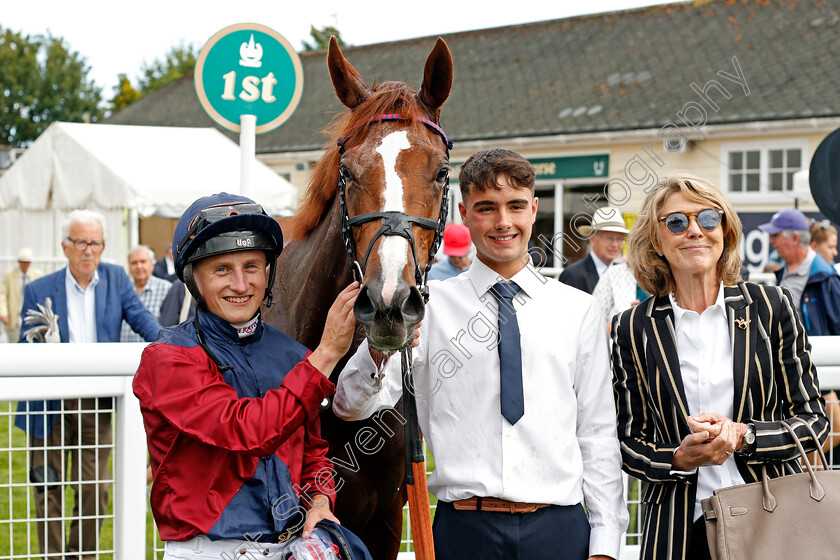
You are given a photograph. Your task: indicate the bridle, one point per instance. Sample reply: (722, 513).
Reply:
(393, 223)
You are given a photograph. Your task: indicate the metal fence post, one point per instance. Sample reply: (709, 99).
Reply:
(129, 478)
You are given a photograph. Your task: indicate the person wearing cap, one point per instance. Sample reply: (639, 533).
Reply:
(812, 281)
(91, 299)
(11, 292)
(608, 233)
(458, 247)
(231, 404)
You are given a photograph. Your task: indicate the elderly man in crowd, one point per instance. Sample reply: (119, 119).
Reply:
(150, 289)
(74, 437)
(811, 280)
(606, 244)
(11, 290)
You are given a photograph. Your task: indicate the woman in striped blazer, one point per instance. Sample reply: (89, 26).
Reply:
(706, 369)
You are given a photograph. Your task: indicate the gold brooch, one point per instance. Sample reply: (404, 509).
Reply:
(742, 323)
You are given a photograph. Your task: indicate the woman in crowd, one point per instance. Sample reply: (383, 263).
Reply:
(706, 369)
(824, 240)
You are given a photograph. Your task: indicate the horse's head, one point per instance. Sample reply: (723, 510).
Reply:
(393, 177)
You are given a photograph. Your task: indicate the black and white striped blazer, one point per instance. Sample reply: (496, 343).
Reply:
(774, 380)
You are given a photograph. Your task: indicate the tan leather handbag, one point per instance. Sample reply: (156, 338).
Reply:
(776, 518)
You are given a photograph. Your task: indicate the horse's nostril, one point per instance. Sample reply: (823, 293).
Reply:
(364, 309)
(413, 308)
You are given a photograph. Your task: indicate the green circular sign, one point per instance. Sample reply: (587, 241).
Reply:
(249, 69)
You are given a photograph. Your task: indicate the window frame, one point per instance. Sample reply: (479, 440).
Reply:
(764, 148)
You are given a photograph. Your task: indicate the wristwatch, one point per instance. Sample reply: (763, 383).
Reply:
(749, 439)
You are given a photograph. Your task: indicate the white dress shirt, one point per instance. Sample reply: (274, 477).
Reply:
(706, 371)
(564, 450)
(81, 308)
(600, 265)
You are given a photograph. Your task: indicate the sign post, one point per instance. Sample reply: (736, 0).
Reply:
(249, 79)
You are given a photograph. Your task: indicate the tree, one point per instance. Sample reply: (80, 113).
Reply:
(178, 61)
(124, 94)
(42, 81)
(321, 38)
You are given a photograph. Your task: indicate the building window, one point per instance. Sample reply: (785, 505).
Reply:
(783, 164)
(762, 169)
(744, 170)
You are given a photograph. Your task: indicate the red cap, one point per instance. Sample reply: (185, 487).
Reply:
(456, 240)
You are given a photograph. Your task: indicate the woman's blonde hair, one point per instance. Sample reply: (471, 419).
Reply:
(644, 249)
(820, 231)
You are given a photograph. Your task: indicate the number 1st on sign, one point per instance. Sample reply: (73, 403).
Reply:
(251, 90)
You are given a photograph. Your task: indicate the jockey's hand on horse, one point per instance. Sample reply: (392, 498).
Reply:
(318, 510)
(338, 331)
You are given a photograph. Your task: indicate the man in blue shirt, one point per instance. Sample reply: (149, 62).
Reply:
(91, 300)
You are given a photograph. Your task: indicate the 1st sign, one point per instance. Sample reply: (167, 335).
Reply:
(249, 69)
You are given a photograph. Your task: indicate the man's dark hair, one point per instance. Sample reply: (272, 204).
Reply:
(481, 170)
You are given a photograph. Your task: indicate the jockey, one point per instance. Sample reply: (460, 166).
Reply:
(231, 404)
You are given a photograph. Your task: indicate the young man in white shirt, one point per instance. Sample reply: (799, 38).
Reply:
(517, 409)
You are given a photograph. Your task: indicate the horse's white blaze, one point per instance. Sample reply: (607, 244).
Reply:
(393, 250)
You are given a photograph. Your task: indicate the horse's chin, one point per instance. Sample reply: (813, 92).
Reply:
(388, 337)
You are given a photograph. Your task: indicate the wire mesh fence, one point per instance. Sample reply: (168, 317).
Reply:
(56, 462)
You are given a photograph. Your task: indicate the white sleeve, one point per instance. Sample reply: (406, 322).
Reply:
(363, 389)
(597, 438)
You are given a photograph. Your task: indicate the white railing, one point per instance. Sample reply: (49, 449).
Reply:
(67, 371)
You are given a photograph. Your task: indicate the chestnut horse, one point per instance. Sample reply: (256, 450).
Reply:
(383, 180)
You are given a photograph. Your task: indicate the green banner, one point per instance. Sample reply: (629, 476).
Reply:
(571, 167)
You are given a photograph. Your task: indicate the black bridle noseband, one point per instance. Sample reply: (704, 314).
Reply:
(393, 223)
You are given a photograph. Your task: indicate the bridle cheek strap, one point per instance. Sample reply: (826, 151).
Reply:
(394, 223)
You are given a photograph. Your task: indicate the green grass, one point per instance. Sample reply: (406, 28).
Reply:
(18, 538)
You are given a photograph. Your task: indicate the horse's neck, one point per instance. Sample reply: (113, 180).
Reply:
(310, 274)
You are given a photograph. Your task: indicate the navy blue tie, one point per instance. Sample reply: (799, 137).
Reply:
(510, 353)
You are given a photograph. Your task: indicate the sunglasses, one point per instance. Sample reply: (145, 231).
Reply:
(677, 222)
(214, 214)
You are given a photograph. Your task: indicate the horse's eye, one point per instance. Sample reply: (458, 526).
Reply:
(442, 174)
(346, 175)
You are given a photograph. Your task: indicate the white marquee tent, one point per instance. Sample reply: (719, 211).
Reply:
(124, 172)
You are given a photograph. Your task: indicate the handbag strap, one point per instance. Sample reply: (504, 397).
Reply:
(817, 491)
(811, 431)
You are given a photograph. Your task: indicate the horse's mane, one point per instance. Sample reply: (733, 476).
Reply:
(388, 97)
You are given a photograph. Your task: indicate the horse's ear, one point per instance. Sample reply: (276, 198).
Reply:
(349, 86)
(437, 77)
